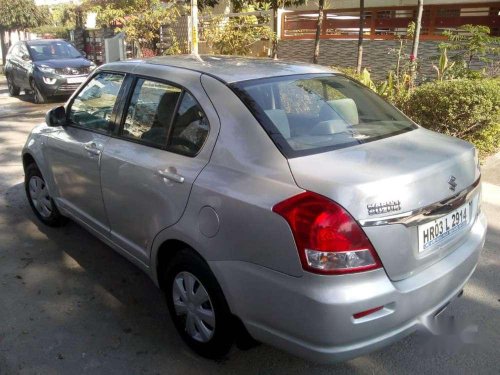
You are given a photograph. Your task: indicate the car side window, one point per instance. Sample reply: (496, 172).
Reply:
(150, 112)
(14, 52)
(23, 50)
(93, 106)
(190, 127)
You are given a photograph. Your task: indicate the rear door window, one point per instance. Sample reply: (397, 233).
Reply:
(150, 112)
(190, 127)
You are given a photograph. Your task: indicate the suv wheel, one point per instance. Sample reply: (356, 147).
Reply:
(39, 199)
(13, 89)
(38, 97)
(197, 306)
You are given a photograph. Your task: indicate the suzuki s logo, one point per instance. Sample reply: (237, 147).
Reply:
(452, 183)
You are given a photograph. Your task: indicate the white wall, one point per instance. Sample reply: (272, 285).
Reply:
(15, 36)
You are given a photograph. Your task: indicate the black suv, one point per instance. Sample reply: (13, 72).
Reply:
(46, 67)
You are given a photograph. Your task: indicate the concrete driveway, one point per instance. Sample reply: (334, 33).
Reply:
(70, 305)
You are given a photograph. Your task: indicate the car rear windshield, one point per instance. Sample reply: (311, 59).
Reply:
(53, 50)
(306, 114)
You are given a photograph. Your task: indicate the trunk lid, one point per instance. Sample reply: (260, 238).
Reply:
(402, 173)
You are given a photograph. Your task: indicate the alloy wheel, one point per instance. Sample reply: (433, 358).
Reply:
(40, 196)
(192, 303)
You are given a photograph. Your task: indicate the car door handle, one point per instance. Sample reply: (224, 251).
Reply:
(172, 176)
(91, 148)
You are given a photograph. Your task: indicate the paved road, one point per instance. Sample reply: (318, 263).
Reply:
(70, 305)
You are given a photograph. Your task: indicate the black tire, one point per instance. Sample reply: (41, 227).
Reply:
(38, 96)
(54, 219)
(13, 89)
(188, 261)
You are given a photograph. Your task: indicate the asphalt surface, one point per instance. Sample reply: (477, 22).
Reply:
(70, 305)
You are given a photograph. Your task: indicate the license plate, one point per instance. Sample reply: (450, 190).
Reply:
(76, 79)
(439, 230)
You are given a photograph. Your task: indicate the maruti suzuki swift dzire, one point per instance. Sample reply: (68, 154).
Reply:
(273, 201)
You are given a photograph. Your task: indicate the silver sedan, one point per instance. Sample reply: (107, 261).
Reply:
(273, 202)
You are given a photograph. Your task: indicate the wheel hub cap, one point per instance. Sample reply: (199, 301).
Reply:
(40, 196)
(192, 302)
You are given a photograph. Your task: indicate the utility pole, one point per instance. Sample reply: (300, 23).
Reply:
(194, 27)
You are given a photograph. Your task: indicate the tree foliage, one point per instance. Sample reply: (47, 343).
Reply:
(65, 15)
(273, 5)
(472, 42)
(236, 35)
(22, 14)
(144, 28)
(141, 20)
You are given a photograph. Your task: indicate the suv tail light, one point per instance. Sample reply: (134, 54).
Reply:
(328, 239)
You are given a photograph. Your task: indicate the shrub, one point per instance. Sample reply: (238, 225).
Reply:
(469, 109)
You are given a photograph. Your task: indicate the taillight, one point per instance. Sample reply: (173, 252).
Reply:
(328, 239)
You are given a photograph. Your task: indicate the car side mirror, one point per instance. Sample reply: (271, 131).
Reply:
(56, 117)
(25, 57)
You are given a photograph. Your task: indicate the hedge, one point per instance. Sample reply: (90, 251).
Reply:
(469, 109)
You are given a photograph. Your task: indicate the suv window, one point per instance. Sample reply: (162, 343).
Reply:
(14, 51)
(150, 112)
(93, 106)
(190, 128)
(23, 50)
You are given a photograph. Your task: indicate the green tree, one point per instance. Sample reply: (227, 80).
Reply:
(472, 42)
(20, 15)
(139, 19)
(144, 28)
(236, 35)
(110, 11)
(66, 15)
(274, 5)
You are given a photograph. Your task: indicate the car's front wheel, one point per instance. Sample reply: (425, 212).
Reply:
(197, 306)
(38, 96)
(39, 198)
(13, 89)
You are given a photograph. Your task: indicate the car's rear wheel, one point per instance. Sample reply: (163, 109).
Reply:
(13, 89)
(38, 96)
(197, 306)
(39, 198)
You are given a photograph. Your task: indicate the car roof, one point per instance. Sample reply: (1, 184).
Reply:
(233, 68)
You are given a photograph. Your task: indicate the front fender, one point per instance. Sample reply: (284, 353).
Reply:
(34, 147)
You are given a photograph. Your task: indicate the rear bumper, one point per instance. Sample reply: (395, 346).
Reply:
(312, 316)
